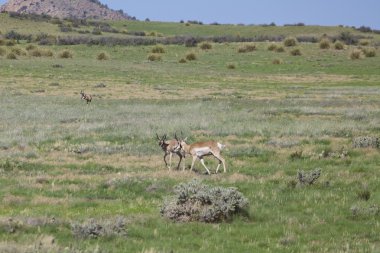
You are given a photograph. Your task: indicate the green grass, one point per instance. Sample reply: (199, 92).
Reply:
(66, 161)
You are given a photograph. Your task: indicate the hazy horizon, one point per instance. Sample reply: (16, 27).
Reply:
(322, 12)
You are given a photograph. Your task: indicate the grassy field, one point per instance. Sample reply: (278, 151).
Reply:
(64, 163)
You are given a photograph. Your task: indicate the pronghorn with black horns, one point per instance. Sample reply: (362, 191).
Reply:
(202, 149)
(86, 97)
(170, 147)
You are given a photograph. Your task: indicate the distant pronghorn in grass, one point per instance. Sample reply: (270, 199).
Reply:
(86, 97)
(170, 147)
(201, 149)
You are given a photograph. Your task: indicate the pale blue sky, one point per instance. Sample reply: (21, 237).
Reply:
(316, 12)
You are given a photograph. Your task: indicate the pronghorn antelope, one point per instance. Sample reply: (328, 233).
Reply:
(86, 97)
(170, 147)
(201, 149)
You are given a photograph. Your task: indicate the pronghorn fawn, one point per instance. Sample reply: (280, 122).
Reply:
(86, 97)
(202, 149)
(170, 147)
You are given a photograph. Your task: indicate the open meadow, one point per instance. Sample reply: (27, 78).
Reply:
(65, 164)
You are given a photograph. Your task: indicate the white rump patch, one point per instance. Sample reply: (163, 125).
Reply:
(221, 146)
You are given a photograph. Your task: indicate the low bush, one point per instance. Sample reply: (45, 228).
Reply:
(366, 142)
(11, 56)
(30, 47)
(356, 54)
(231, 66)
(183, 60)
(18, 51)
(280, 49)
(247, 48)
(206, 46)
(158, 49)
(2, 51)
(103, 228)
(296, 52)
(277, 61)
(195, 201)
(369, 52)
(324, 44)
(290, 42)
(191, 57)
(338, 45)
(308, 178)
(103, 56)
(65, 54)
(154, 57)
(364, 42)
(272, 47)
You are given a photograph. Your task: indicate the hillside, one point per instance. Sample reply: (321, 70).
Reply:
(80, 9)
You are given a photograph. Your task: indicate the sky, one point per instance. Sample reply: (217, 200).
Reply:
(310, 12)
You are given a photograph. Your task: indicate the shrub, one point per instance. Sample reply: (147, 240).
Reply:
(366, 142)
(364, 42)
(191, 42)
(65, 54)
(154, 57)
(324, 44)
(277, 61)
(356, 54)
(206, 46)
(369, 52)
(104, 228)
(158, 49)
(102, 56)
(290, 42)
(308, 178)
(272, 47)
(280, 49)
(231, 66)
(183, 60)
(18, 51)
(191, 57)
(364, 194)
(96, 31)
(247, 48)
(10, 43)
(11, 56)
(339, 45)
(365, 211)
(195, 201)
(296, 52)
(30, 47)
(2, 51)
(35, 53)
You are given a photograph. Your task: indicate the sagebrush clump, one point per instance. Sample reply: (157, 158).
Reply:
(191, 57)
(324, 44)
(339, 45)
(103, 56)
(158, 49)
(290, 42)
(356, 54)
(366, 142)
(154, 57)
(99, 228)
(65, 54)
(206, 46)
(195, 201)
(247, 48)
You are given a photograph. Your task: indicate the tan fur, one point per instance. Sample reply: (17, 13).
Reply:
(201, 149)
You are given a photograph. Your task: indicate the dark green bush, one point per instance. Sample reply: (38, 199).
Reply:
(102, 56)
(191, 57)
(206, 46)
